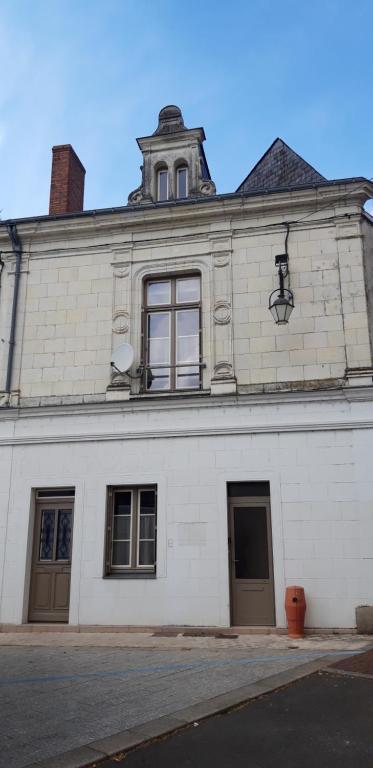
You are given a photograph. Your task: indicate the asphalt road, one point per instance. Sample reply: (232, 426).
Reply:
(323, 721)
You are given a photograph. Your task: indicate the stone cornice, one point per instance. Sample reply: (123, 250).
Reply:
(179, 138)
(120, 221)
(178, 403)
(185, 432)
(48, 249)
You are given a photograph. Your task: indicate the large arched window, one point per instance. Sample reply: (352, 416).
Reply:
(162, 184)
(182, 181)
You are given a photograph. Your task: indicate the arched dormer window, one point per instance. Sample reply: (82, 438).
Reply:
(182, 181)
(162, 184)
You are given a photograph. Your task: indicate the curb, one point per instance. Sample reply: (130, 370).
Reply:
(101, 749)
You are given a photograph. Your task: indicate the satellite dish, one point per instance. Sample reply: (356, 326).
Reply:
(122, 358)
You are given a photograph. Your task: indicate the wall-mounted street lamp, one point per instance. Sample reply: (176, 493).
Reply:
(281, 301)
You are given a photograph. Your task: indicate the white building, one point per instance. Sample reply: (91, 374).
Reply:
(236, 459)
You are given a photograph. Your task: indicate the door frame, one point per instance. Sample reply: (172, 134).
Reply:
(64, 495)
(253, 501)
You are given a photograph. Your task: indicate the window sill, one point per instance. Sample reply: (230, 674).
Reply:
(131, 575)
(165, 395)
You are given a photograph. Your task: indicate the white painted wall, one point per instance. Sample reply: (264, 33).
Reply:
(321, 503)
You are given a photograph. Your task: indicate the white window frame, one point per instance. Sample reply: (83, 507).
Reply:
(178, 171)
(159, 172)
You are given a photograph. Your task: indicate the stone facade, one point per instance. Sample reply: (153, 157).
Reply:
(283, 404)
(82, 298)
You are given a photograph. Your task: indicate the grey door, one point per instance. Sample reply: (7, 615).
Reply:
(251, 565)
(51, 562)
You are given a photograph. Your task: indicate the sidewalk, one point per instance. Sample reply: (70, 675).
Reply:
(85, 696)
(183, 640)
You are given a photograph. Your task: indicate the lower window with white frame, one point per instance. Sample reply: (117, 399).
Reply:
(131, 530)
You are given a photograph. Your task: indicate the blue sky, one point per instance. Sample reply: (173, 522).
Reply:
(95, 74)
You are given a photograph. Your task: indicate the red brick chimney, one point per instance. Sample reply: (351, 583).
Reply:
(67, 181)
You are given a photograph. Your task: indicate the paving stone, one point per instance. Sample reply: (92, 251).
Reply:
(61, 698)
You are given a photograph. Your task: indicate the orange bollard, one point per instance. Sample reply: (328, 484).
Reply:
(295, 607)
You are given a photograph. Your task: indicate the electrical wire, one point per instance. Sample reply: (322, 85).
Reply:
(327, 205)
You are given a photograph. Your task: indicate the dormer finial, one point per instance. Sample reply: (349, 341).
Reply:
(170, 120)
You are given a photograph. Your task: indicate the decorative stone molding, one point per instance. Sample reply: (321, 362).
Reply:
(120, 321)
(178, 430)
(223, 370)
(10, 265)
(223, 379)
(359, 377)
(222, 312)
(207, 188)
(119, 388)
(121, 271)
(10, 399)
(347, 230)
(136, 197)
(222, 259)
(119, 391)
(121, 254)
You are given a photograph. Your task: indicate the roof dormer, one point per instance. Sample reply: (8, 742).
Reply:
(174, 163)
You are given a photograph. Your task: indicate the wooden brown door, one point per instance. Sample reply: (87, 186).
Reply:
(251, 568)
(51, 562)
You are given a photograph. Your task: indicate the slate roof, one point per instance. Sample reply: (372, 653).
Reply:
(280, 167)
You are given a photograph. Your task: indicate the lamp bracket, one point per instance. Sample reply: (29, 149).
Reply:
(282, 258)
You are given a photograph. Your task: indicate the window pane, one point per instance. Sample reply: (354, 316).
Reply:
(187, 378)
(63, 551)
(162, 185)
(251, 543)
(182, 182)
(122, 527)
(53, 493)
(121, 553)
(122, 503)
(187, 349)
(159, 325)
(159, 351)
(159, 293)
(187, 343)
(146, 553)
(47, 534)
(147, 502)
(187, 322)
(158, 379)
(147, 527)
(188, 289)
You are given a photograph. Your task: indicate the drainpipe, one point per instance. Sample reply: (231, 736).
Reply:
(17, 250)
